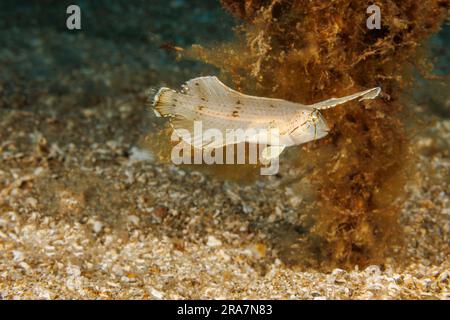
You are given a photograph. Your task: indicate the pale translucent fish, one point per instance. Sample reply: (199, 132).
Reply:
(217, 106)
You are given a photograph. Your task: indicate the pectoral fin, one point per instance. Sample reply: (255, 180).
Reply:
(271, 152)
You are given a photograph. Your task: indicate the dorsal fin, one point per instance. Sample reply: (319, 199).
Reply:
(363, 95)
(208, 88)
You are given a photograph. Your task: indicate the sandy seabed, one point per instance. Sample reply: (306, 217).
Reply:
(87, 211)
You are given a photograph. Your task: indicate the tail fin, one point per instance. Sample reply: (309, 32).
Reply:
(163, 105)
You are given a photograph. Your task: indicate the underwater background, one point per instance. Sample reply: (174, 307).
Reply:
(91, 206)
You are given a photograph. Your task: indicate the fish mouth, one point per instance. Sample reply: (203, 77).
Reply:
(322, 126)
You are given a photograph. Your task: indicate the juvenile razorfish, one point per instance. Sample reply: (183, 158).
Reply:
(219, 107)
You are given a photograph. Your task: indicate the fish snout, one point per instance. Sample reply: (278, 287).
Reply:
(321, 127)
(313, 128)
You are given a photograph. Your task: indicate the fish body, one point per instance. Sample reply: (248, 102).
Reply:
(216, 106)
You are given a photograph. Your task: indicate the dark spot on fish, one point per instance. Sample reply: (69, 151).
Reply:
(238, 102)
(235, 114)
(238, 108)
(200, 108)
(196, 84)
(203, 99)
(293, 129)
(272, 106)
